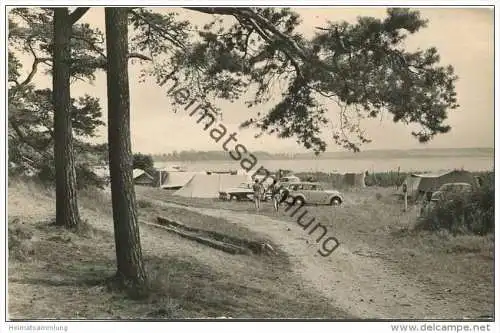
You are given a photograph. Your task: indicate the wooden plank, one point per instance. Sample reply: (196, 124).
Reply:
(254, 246)
(229, 248)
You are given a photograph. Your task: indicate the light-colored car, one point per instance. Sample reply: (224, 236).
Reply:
(243, 191)
(284, 181)
(311, 193)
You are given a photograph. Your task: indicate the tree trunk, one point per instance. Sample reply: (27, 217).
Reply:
(127, 240)
(66, 198)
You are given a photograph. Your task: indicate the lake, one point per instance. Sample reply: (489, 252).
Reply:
(339, 165)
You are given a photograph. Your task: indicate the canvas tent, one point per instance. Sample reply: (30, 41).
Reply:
(419, 184)
(160, 177)
(141, 177)
(354, 179)
(208, 186)
(177, 179)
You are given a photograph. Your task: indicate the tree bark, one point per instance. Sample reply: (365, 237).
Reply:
(67, 213)
(127, 240)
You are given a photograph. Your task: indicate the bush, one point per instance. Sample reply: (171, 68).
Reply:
(143, 161)
(385, 179)
(19, 240)
(471, 213)
(144, 204)
(85, 177)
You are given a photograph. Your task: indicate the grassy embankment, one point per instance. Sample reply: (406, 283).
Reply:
(452, 256)
(55, 273)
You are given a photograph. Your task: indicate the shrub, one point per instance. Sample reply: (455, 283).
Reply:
(385, 179)
(470, 213)
(19, 240)
(143, 161)
(85, 177)
(144, 204)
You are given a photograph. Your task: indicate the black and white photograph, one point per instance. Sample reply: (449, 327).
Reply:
(253, 162)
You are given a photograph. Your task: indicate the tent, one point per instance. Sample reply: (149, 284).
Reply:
(141, 177)
(419, 184)
(177, 179)
(208, 186)
(354, 179)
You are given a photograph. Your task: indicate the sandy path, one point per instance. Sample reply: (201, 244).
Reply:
(359, 284)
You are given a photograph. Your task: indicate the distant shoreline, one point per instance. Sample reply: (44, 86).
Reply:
(198, 156)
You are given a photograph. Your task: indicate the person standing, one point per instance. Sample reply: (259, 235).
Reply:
(274, 190)
(257, 189)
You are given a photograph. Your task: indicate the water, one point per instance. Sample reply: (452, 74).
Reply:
(338, 165)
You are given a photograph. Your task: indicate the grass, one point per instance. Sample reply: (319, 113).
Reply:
(150, 211)
(462, 266)
(457, 268)
(54, 273)
(217, 229)
(58, 274)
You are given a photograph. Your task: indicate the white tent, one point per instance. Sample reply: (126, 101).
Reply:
(208, 186)
(177, 179)
(137, 172)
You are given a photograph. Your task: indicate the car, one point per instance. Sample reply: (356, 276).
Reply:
(446, 192)
(284, 181)
(452, 189)
(243, 191)
(264, 180)
(311, 193)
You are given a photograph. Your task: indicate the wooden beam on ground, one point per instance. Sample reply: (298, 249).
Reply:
(229, 248)
(254, 246)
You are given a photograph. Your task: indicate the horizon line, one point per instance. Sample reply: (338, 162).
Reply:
(337, 151)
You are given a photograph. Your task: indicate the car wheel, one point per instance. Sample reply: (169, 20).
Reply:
(299, 201)
(335, 201)
(232, 198)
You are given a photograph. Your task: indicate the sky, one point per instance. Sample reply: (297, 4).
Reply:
(464, 39)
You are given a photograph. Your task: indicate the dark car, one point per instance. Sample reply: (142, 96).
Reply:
(446, 192)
